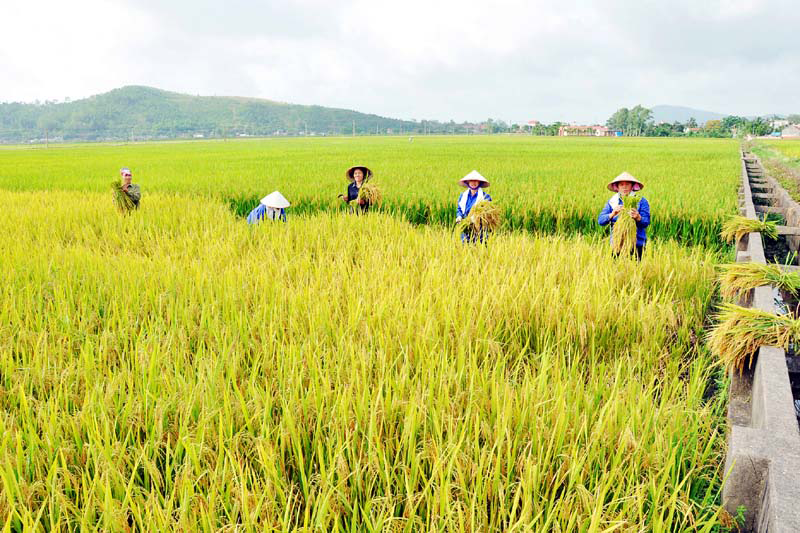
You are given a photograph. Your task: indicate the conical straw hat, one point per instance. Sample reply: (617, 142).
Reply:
(367, 172)
(474, 175)
(275, 200)
(637, 185)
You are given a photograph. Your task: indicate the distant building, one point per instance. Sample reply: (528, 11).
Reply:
(779, 124)
(585, 131)
(791, 132)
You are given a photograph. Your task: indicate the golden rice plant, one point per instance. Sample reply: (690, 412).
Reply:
(623, 235)
(483, 217)
(738, 278)
(191, 403)
(742, 330)
(122, 201)
(737, 227)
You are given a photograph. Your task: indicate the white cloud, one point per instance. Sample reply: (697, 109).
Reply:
(57, 49)
(509, 59)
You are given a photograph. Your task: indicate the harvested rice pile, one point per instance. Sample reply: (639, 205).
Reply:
(741, 331)
(737, 227)
(738, 278)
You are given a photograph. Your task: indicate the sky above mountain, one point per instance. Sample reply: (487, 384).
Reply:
(439, 59)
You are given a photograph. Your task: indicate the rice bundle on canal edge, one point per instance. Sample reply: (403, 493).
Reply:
(737, 227)
(737, 278)
(123, 202)
(623, 236)
(742, 330)
(483, 217)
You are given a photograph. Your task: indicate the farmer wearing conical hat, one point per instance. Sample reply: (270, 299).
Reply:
(627, 185)
(271, 207)
(474, 183)
(358, 176)
(131, 189)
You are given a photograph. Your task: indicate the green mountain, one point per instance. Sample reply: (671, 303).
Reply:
(147, 113)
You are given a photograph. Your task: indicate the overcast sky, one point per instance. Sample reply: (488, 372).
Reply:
(439, 59)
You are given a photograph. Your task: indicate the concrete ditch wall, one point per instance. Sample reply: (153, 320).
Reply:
(763, 460)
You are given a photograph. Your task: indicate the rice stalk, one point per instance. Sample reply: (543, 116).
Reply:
(483, 217)
(123, 202)
(737, 278)
(737, 227)
(742, 330)
(370, 194)
(623, 235)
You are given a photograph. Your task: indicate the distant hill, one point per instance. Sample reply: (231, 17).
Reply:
(147, 113)
(672, 113)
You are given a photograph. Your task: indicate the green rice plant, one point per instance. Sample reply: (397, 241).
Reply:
(737, 227)
(738, 278)
(742, 330)
(122, 201)
(546, 185)
(623, 234)
(484, 217)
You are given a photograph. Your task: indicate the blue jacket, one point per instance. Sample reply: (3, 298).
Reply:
(260, 212)
(467, 200)
(641, 225)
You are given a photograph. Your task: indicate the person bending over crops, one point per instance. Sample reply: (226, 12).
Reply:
(467, 200)
(629, 215)
(130, 190)
(358, 177)
(271, 207)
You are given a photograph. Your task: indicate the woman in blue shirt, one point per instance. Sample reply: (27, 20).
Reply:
(624, 185)
(475, 183)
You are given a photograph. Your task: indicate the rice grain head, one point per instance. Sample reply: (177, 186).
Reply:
(737, 278)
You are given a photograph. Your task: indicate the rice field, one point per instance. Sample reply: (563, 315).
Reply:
(790, 148)
(546, 185)
(176, 369)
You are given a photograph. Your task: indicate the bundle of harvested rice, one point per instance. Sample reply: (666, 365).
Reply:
(741, 331)
(623, 235)
(123, 202)
(738, 278)
(737, 227)
(483, 217)
(371, 194)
